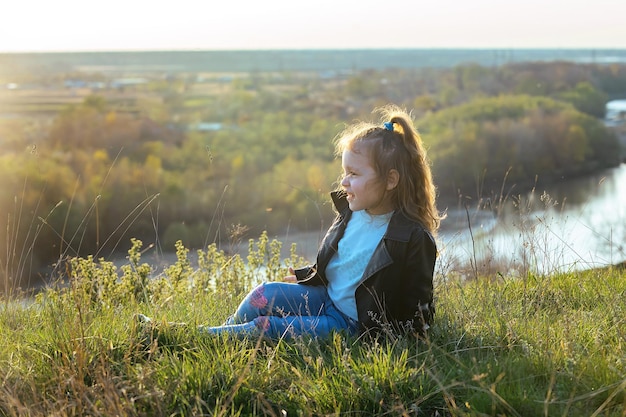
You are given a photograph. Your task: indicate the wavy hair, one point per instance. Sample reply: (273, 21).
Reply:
(399, 149)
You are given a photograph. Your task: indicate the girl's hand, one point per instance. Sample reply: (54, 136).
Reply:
(291, 277)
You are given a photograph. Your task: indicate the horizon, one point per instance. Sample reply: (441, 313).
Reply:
(182, 50)
(187, 25)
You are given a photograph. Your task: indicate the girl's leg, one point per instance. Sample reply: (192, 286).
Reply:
(279, 309)
(276, 327)
(280, 299)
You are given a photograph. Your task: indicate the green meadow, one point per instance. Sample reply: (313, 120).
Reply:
(89, 161)
(501, 345)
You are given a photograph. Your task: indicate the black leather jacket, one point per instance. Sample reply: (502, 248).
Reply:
(396, 291)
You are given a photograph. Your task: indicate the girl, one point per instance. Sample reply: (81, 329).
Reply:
(374, 268)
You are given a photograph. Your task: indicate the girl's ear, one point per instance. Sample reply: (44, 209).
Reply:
(393, 177)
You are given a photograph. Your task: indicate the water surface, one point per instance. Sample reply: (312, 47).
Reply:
(576, 224)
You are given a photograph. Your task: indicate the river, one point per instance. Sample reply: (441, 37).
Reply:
(578, 224)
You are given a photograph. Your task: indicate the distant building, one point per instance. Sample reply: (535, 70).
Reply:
(206, 127)
(121, 83)
(75, 84)
(78, 84)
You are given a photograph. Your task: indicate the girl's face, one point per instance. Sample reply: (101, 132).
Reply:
(365, 191)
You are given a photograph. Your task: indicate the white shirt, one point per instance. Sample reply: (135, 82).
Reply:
(345, 269)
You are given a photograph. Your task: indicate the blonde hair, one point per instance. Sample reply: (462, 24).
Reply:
(396, 145)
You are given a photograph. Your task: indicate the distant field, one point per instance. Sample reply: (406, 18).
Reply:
(286, 60)
(49, 101)
(34, 100)
(37, 101)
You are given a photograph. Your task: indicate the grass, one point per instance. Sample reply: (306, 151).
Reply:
(521, 346)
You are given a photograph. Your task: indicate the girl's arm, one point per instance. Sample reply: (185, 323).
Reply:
(308, 275)
(420, 267)
(291, 277)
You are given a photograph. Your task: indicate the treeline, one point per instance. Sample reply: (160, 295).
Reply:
(97, 175)
(515, 140)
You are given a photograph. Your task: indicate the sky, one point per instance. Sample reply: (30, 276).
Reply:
(120, 25)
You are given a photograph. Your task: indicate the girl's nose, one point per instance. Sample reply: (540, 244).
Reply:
(344, 181)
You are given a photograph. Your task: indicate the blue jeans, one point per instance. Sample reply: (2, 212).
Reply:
(282, 310)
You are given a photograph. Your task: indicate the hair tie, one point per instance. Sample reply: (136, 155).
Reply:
(388, 126)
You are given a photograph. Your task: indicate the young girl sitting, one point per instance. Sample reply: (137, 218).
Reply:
(374, 268)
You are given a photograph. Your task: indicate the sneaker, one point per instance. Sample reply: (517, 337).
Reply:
(146, 331)
(142, 318)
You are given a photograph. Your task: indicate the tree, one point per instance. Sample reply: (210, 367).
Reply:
(586, 98)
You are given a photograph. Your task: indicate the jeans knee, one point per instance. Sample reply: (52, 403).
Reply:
(257, 297)
(262, 323)
(268, 292)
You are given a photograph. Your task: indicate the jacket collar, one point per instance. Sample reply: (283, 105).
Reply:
(400, 226)
(340, 200)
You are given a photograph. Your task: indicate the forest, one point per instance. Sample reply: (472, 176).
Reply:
(213, 157)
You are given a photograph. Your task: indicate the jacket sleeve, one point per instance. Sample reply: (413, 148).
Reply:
(303, 273)
(399, 297)
(420, 268)
(309, 275)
